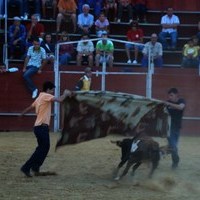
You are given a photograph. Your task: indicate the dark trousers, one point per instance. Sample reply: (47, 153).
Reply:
(38, 157)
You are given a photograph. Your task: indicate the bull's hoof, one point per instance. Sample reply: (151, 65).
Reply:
(117, 178)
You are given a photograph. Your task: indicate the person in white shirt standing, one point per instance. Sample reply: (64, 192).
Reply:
(169, 24)
(34, 62)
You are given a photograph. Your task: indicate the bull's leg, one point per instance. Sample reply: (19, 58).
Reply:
(116, 171)
(129, 164)
(135, 167)
(155, 162)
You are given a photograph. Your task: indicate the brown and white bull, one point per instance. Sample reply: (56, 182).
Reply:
(135, 152)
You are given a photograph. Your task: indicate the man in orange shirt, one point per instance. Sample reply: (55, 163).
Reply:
(42, 107)
(66, 8)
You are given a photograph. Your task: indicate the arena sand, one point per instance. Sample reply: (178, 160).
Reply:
(84, 172)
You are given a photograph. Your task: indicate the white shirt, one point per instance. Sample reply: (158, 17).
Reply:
(169, 20)
(85, 48)
(36, 57)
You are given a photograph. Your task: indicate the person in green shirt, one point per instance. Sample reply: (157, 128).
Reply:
(104, 51)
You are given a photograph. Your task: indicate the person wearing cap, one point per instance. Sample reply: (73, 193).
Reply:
(85, 50)
(156, 52)
(84, 83)
(104, 51)
(42, 106)
(17, 37)
(134, 34)
(85, 20)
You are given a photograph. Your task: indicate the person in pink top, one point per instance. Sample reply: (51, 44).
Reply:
(101, 24)
(42, 107)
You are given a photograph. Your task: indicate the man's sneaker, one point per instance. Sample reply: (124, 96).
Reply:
(135, 62)
(129, 62)
(34, 94)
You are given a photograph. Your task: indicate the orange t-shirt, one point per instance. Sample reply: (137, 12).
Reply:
(43, 108)
(68, 5)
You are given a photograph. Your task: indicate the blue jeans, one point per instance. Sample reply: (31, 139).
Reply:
(163, 39)
(64, 59)
(158, 62)
(30, 71)
(173, 142)
(38, 157)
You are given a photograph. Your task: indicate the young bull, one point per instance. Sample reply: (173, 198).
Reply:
(135, 151)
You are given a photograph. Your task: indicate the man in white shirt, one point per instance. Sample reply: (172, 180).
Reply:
(85, 51)
(35, 60)
(169, 24)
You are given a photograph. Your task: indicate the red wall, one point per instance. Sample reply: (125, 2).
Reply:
(14, 97)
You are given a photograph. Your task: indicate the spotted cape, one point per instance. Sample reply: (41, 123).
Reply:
(95, 114)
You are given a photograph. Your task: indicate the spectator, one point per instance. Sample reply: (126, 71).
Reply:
(101, 24)
(66, 9)
(156, 52)
(95, 4)
(104, 51)
(2, 9)
(190, 55)
(140, 9)
(49, 47)
(134, 34)
(169, 24)
(52, 3)
(34, 29)
(37, 8)
(65, 50)
(85, 20)
(198, 34)
(110, 7)
(125, 4)
(84, 83)
(34, 62)
(19, 4)
(17, 37)
(85, 51)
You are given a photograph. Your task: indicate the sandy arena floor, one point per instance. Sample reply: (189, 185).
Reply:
(85, 172)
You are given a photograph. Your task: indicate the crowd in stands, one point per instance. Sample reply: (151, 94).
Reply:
(93, 17)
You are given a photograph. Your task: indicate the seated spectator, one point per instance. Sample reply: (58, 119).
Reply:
(17, 37)
(19, 4)
(140, 10)
(66, 9)
(49, 47)
(85, 20)
(85, 51)
(198, 34)
(190, 55)
(124, 4)
(34, 62)
(110, 7)
(65, 50)
(46, 3)
(34, 29)
(101, 24)
(95, 4)
(169, 24)
(156, 52)
(134, 34)
(104, 51)
(2, 10)
(84, 82)
(37, 8)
